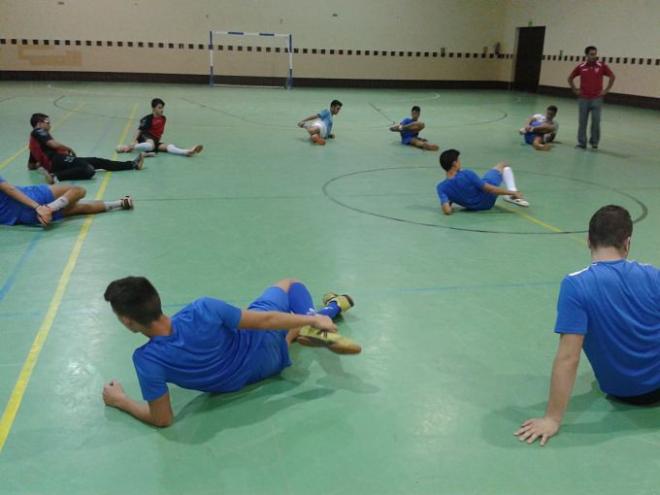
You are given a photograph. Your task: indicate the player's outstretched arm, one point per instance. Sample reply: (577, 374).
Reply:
(564, 370)
(156, 412)
(271, 320)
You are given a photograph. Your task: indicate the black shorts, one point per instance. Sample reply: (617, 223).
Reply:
(144, 136)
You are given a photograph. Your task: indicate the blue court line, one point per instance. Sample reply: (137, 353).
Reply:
(4, 290)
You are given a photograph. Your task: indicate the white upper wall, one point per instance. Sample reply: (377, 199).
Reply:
(429, 25)
(629, 28)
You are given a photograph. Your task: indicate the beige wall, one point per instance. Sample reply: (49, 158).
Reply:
(619, 29)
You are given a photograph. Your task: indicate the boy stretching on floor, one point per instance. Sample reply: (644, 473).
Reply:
(409, 128)
(465, 188)
(57, 160)
(34, 205)
(319, 126)
(150, 131)
(212, 346)
(540, 130)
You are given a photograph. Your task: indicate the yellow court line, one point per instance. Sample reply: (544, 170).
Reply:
(541, 223)
(25, 148)
(16, 397)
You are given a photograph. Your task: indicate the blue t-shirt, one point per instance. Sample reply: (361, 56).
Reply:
(616, 306)
(326, 116)
(406, 136)
(207, 352)
(466, 189)
(13, 211)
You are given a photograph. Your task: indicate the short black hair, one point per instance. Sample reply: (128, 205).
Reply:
(552, 108)
(157, 101)
(610, 226)
(589, 48)
(135, 298)
(336, 103)
(36, 118)
(448, 157)
(415, 109)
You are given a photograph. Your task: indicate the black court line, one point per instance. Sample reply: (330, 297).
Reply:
(383, 114)
(335, 200)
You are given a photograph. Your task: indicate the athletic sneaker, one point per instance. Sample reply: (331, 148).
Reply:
(344, 301)
(126, 203)
(138, 163)
(517, 201)
(333, 341)
(123, 148)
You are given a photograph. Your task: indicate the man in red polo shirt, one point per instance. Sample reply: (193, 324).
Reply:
(590, 95)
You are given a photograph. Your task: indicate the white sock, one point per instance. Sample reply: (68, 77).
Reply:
(112, 205)
(509, 181)
(146, 146)
(176, 151)
(58, 204)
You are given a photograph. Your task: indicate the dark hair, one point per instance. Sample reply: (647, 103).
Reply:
(36, 118)
(610, 227)
(589, 48)
(157, 101)
(448, 157)
(336, 103)
(135, 298)
(415, 109)
(552, 108)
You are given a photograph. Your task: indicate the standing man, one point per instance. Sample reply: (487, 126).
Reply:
(590, 95)
(611, 310)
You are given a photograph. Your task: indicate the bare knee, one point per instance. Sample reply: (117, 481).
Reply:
(77, 193)
(286, 283)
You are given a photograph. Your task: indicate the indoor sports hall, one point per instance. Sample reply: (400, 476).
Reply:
(455, 314)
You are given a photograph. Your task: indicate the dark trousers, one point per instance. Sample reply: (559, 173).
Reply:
(640, 400)
(67, 167)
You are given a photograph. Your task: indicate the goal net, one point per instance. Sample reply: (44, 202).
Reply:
(239, 57)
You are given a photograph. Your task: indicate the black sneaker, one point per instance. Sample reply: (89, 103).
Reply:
(581, 146)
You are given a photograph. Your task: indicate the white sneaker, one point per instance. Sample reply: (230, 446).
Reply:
(522, 131)
(517, 201)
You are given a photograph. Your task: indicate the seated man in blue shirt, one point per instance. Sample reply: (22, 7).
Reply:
(540, 130)
(34, 205)
(213, 346)
(409, 128)
(611, 309)
(319, 125)
(465, 188)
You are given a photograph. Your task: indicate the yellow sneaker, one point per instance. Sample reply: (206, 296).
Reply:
(335, 342)
(344, 301)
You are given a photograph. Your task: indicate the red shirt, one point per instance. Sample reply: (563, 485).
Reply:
(591, 78)
(153, 126)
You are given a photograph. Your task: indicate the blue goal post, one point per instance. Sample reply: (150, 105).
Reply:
(286, 37)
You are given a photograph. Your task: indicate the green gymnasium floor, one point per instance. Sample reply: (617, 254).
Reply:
(455, 314)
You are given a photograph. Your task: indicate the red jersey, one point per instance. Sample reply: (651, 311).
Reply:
(153, 126)
(591, 78)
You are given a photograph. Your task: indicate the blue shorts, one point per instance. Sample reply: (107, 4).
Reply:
(493, 177)
(272, 299)
(530, 136)
(271, 354)
(19, 213)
